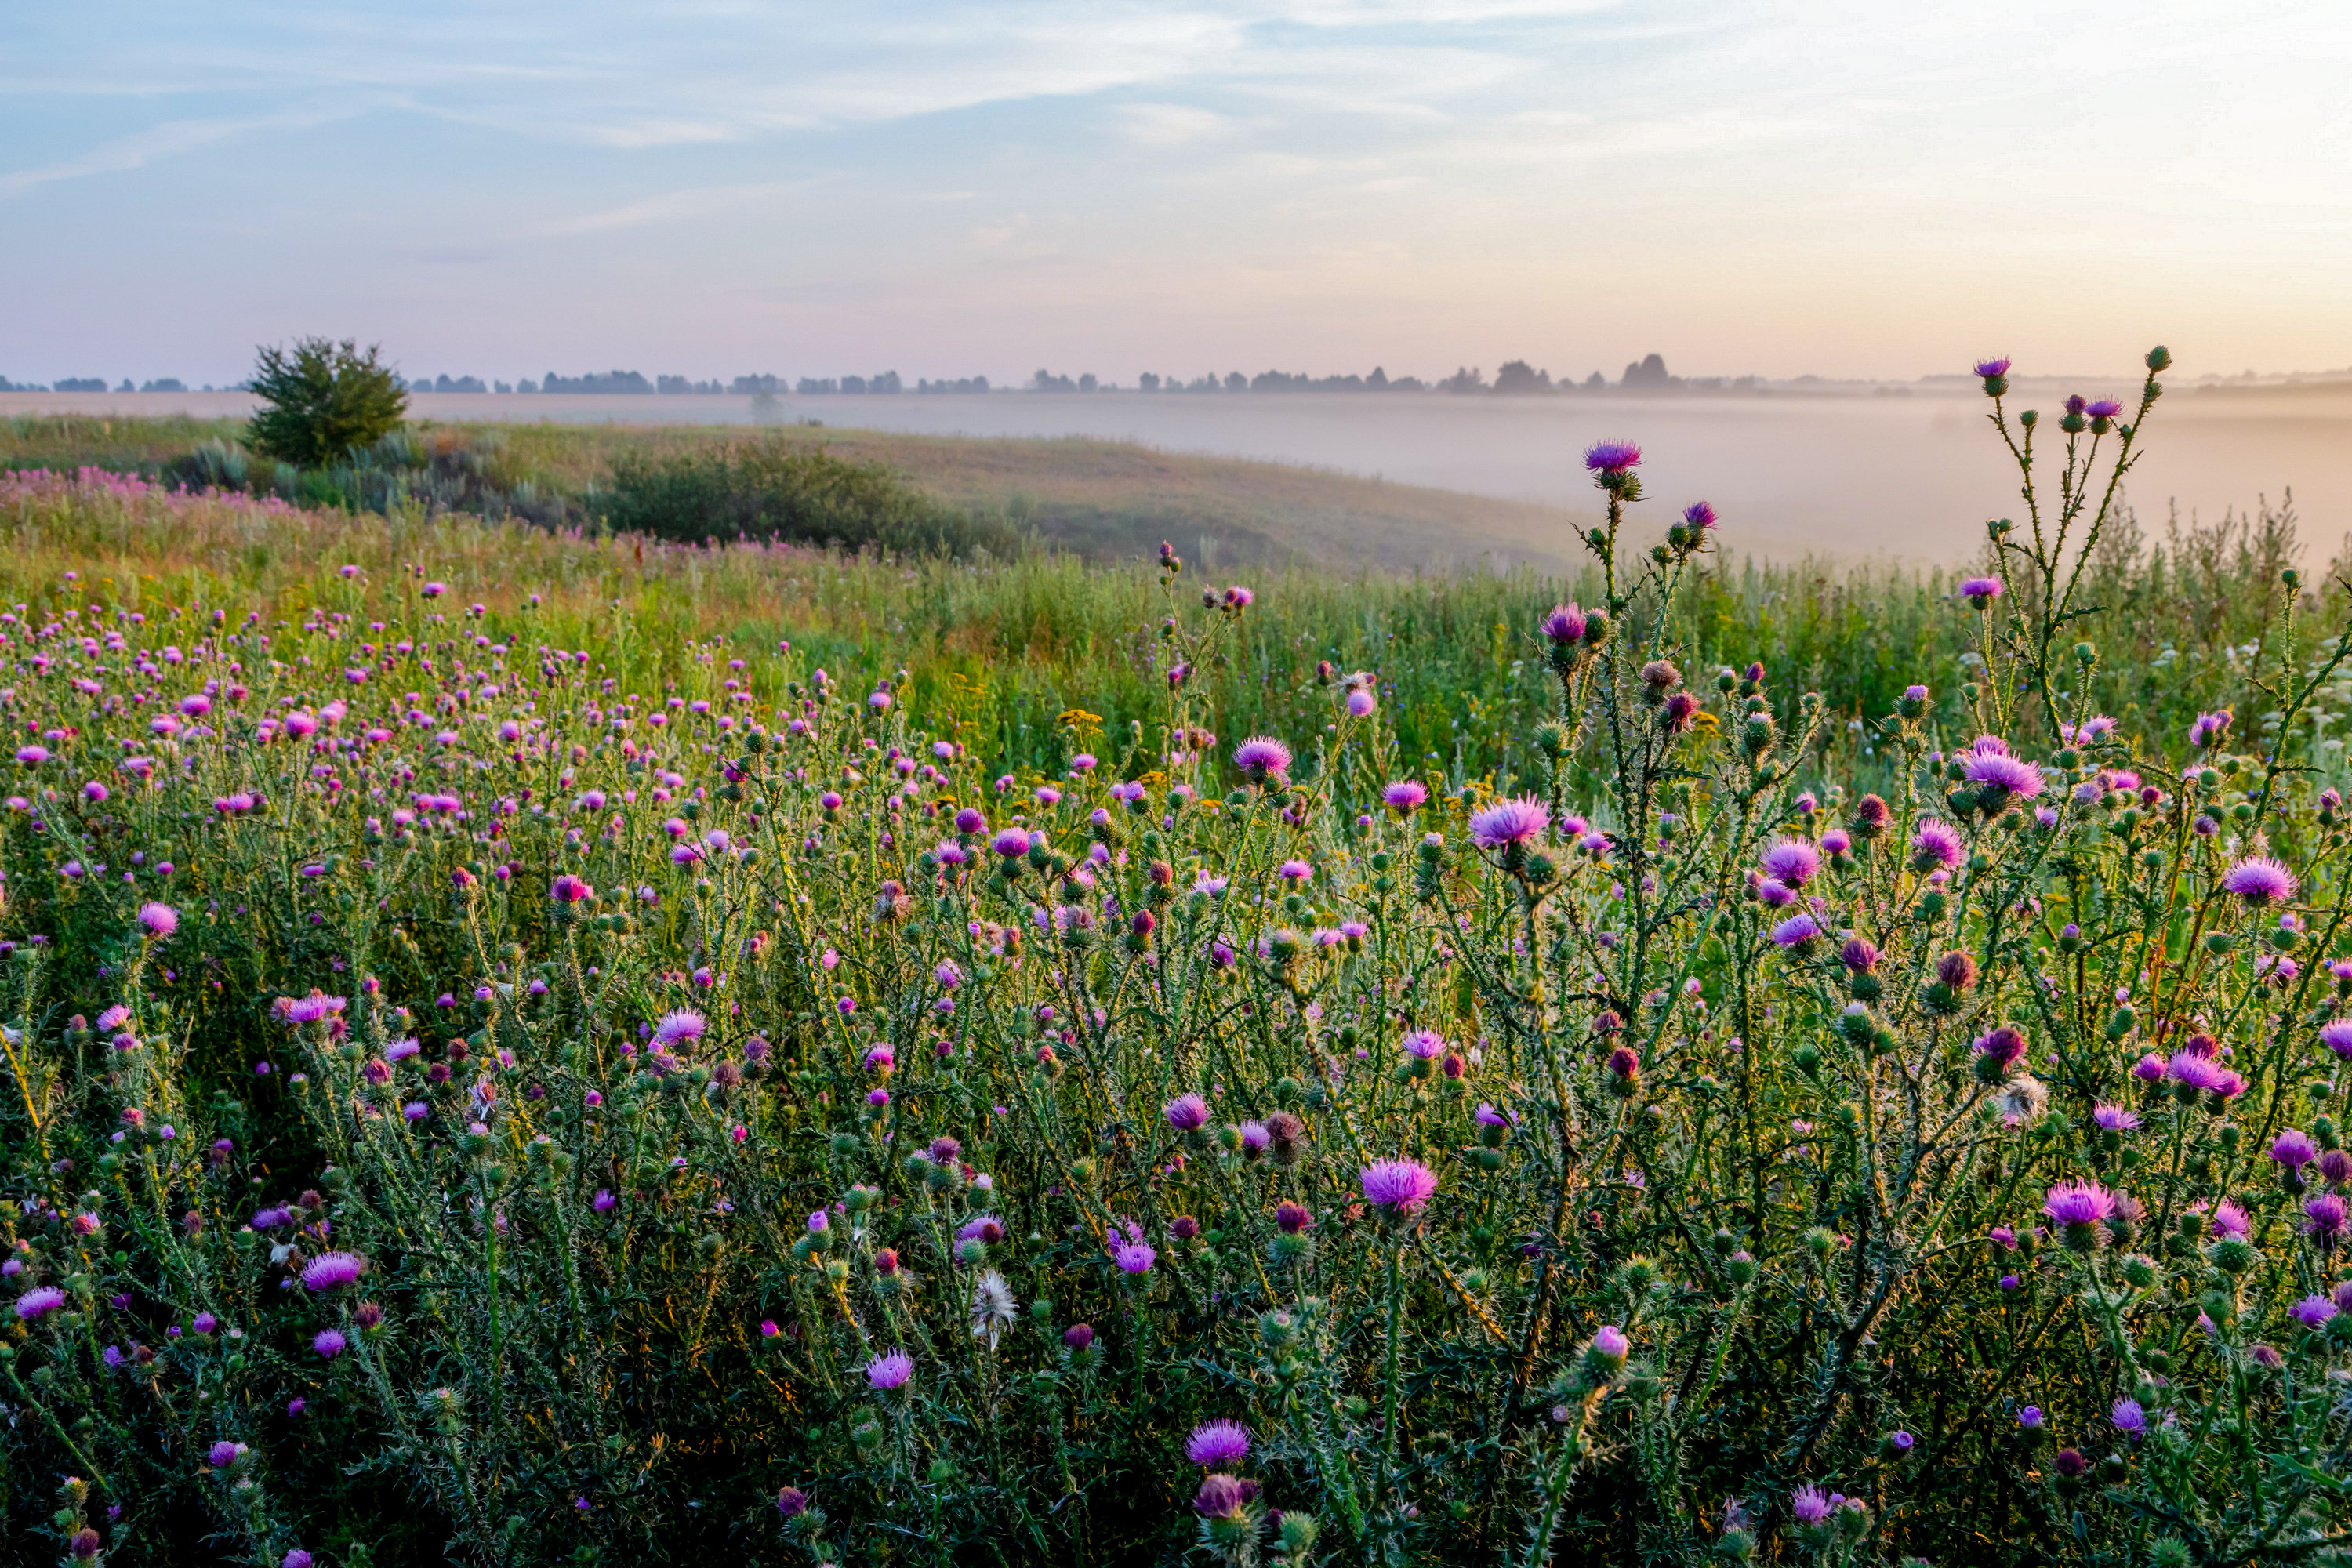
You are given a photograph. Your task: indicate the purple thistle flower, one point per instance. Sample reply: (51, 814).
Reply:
(1219, 1444)
(1263, 757)
(1982, 591)
(1400, 1186)
(1187, 1112)
(1404, 796)
(328, 1343)
(1986, 369)
(2003, 1045)
(2195, 1069)
(885, 1373)
(39, 1302)
(1226, 1497)
(2323, 1218)
(1797, 933)
(1793, 862)
(224, 1454)
(330, 1269)
(1508, 822)
(682, 1025)
(2129, 1418)
(2114, 1118)
(2312, 1311)
(2260, 880)
(1810, 1504)
(1611, 458)
(1011, 842)
(2208, 728)
(161, 920)
(2229, 1221)
(2337, 1037)
(1934, 846)
(1426, 1044)
(985, 1228)
(2079, 1202)
(1698, 516)
(1565, 624)
(2293, 1149)
(1991, 764)
(2103, 408)
(1134, 1256)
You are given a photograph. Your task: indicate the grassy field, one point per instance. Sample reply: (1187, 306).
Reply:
(1103, 499)
(1012, 647)
(539, 1046)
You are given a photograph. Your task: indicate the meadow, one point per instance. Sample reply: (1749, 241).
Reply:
(1104, 499)
(525, 1044)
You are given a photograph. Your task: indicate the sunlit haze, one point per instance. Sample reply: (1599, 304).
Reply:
(951, 190)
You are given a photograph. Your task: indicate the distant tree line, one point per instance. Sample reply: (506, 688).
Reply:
(1514, 378)
(98, 384)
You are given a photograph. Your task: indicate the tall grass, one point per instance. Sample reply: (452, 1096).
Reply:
(1006, 648)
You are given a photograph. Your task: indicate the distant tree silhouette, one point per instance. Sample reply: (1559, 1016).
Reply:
(622, 380)
(1518, 376)
(1649, 373)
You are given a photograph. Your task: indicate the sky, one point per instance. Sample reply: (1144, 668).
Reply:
(947, 189)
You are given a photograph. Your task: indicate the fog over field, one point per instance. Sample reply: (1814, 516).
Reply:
(1911, 476)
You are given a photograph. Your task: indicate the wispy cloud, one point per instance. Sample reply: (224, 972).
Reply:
(1174, 124)
(670, 206)
(172, 139)
(977, 172)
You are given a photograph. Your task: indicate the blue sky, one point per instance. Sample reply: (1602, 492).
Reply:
(948, 189)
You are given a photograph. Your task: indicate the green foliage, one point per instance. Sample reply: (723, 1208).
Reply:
(505, 1062)
(321, 399)
(768, 489)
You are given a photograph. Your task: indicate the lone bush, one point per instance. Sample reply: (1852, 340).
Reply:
(321, 399)
(772, 489)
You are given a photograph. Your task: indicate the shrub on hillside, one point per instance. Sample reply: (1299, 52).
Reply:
(322, 399)
(773, 490)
